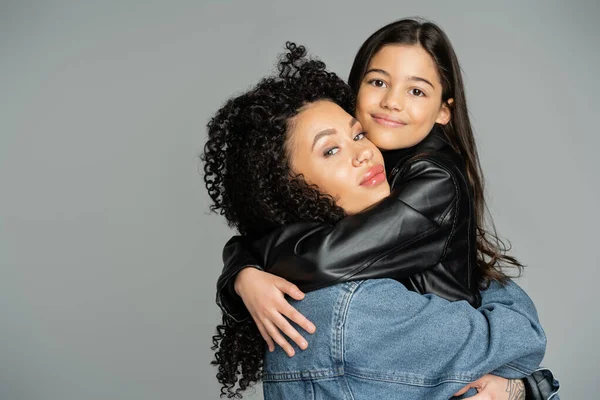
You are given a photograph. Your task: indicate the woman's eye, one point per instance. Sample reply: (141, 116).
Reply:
(417, 92)
(359, 136)
(377, 83)
(332, 151)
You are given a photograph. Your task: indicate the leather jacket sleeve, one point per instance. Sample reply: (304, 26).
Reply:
(403, 235)
(236, 257)
(541, 385)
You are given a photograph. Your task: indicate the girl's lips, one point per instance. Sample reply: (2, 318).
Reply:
(385, 120)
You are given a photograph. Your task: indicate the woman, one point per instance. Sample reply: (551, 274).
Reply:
(254, 174)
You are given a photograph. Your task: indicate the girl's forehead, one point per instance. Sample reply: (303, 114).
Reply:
(405, 61)
(403, 55)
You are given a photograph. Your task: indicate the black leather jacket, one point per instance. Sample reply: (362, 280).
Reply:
(422, 235)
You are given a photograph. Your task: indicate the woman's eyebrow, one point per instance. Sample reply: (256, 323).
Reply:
(325, 132)
(330, 131)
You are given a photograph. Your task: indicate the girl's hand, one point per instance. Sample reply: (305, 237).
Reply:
(492, 387)
(263, 294)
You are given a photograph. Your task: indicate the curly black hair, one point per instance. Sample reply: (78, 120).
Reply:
(249, 180)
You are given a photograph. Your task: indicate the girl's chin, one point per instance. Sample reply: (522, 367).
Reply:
(393, 141)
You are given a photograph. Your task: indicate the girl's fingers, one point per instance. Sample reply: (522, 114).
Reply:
(285, 327)
(289, 289)
(462, 391)
(265, 335)
(294, 315)
(278, 338)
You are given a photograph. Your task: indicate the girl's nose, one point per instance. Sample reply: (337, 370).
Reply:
(392, 101)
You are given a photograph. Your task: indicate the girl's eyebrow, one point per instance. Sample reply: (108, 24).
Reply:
(378, 70)
(419, 79)
(410, 78)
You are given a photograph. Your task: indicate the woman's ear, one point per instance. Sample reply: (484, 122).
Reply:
(445, 112)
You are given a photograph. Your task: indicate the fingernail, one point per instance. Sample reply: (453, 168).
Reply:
(304, 345)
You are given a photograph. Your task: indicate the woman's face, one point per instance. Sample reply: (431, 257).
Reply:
(328, 147)
(400, 97)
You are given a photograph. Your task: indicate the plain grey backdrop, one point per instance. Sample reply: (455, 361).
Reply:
(108, 255)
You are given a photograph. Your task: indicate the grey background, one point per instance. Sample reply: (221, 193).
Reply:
(108, 256)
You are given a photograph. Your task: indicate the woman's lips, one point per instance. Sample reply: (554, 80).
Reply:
(374, 176)
(386, 120)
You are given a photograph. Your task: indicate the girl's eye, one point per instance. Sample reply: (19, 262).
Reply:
(377, 83)
(359, 136)
(331, 152)
(417, 92)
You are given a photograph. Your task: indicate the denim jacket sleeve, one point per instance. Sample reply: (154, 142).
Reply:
(449, 340)
(540, 383)
(511, 306)
(510, 320)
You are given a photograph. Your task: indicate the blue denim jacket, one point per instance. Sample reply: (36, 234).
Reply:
(377, 340)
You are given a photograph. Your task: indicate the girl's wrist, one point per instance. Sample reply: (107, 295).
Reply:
(239, 279)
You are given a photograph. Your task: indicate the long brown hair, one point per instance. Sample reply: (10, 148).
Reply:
(491, 250)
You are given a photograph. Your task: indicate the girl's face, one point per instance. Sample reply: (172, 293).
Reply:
(400, 97)
(328, 147)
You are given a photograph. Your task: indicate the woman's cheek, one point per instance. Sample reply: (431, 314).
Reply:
(335, 176)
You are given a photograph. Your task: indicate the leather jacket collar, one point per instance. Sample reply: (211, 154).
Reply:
(435, 141)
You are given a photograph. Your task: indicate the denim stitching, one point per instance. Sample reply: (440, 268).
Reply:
(519, 369)
(415, 380)
(302, 375)
(341, 311)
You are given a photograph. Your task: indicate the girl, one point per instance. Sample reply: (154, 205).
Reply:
(411, 103)
(282, 127)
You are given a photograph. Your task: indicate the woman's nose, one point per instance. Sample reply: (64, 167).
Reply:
(362, 153)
